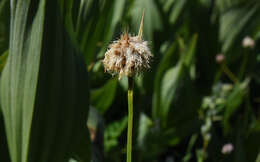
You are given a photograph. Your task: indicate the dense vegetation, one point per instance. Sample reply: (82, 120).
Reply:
(199, 101)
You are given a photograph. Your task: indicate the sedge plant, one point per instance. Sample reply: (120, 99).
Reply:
(128, 56)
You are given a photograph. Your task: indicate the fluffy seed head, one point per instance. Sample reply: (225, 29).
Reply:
(128, 56)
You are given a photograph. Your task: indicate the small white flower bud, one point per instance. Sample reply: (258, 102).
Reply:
(248, 42)
(227, 148)
(220, 58)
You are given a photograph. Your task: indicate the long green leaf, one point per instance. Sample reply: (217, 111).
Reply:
(44, 87)
(164, 65)
(172, 80)
(19, 80)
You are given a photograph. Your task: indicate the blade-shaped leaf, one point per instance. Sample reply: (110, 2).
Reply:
(176, 11)
(44, 91)
(172, 80)
(19, 78)
(96, 25)
(164, 65)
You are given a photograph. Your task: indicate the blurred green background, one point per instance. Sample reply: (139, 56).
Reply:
(199, 101)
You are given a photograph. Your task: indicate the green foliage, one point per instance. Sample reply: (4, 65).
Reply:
(172, 79)
(3, 59)
(258, 158)
(186, 107)
(19, 79)
(153, 21)
(113, 132)
(4, 25)
(103, 97)
(234, 21)
(43, 87)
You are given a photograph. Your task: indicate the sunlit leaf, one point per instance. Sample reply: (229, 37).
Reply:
(19, 78)
(44, 88)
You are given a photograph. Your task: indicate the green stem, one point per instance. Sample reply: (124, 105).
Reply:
(229, 73)
(243, 66)
(130, 119)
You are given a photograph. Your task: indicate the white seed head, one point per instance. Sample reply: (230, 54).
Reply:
(248, 42)
(127, 56)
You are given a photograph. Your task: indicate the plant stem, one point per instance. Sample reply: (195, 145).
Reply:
(229, 73)
(243, 66)
(130, 119)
